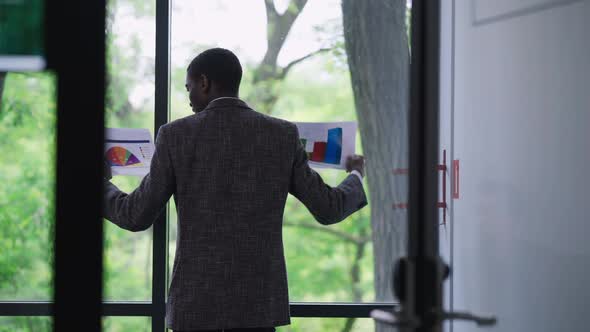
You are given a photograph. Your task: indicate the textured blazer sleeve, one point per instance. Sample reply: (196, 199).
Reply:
(138, 210)
(327, 204)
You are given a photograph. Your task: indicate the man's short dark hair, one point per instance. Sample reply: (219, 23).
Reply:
(220, 66)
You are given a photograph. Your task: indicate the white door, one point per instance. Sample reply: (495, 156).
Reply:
(520, 128)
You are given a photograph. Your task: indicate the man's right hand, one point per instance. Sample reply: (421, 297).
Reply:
(355, 162)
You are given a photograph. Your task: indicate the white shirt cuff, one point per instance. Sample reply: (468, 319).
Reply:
(358, 174)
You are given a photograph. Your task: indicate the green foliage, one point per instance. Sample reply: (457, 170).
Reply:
(27, 134)
(327, 325)
(126, 324)
(25, 324)
(139, 8)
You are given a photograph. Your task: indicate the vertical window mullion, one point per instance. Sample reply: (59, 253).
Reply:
(75, 32)
(162, 110)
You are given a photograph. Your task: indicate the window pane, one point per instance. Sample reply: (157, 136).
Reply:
(44, 324)
(329, 324)
(25, 324)
(320, 71)
(27, 155)
(125, 324)
(129, 104)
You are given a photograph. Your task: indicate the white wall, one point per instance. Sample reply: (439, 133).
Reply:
(521, 121)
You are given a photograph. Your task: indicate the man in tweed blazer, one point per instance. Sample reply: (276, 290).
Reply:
(229, 169)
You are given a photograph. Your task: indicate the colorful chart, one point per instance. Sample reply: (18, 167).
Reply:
(329, 152)
(119, 156)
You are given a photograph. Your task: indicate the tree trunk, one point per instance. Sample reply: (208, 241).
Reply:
(376, 44)
(268, 75)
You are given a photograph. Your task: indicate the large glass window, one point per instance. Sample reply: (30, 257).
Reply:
(27, 158)
(129, 104)
(303, 61)
(296, 67)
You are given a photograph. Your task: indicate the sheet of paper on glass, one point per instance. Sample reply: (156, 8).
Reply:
(129, 151)
(328, 143)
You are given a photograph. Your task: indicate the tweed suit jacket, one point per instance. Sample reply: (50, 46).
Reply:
(229, 169)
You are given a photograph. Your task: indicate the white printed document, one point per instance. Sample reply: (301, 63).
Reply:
(129, 151)
(328, 143)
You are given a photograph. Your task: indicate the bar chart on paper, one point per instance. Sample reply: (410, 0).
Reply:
(329, 151)
(327, 143)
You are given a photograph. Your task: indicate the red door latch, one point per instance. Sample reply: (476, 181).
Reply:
(441, 205)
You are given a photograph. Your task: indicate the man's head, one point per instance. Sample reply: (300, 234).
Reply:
(212, 74)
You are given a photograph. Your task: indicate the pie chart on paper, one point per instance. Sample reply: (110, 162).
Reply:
(119, 156)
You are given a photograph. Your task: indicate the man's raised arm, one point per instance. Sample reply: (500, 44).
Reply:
(329, 205)
(138, 210)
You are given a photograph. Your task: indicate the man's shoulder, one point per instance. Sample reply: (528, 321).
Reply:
(280, 127)
(179, 124)
(277, 121)
(188, 123)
